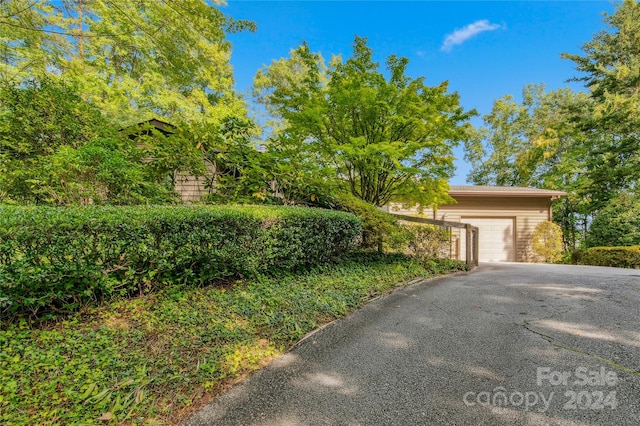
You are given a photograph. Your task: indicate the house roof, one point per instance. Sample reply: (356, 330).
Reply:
(144, 127)
(503, 191)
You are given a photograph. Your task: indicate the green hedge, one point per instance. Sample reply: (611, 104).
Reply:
(58, 259)
(620, 257)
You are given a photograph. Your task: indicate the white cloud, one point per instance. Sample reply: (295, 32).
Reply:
(463, 34)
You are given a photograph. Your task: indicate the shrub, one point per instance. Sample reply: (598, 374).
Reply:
(444, 266)
(427, 241)
(104, 171)
(38, 117)
(617, 224)
(58, 259)
(379, 228)
(620, 257)
(547, 241)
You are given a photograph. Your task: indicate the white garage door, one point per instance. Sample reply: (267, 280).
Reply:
(496, 238)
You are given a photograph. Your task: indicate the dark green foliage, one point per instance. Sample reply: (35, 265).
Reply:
(617, 224)
(58, 259)
(610, 69)
(444, 266)
(40, 116)
(539, 143)
(382, 231)
(104, 171)
(37, 119)
(619, 257)
(280, 172)
(584, 143)
(165, 153)
(57, 149)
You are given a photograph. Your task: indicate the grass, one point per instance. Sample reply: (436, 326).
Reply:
(156, 359)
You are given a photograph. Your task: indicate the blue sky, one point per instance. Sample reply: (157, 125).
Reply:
(484, 49)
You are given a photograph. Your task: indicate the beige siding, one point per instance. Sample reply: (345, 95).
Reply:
(497, 238)
(192, 188)
(526, 211)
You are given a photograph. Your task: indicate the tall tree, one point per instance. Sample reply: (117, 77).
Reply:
(539, 143)
(618, 223)
(379, 137)
(131, 58)
(533, 143)
(610, 64)
(27, 48)
(587, 144)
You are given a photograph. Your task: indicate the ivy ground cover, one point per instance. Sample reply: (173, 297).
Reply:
(157, 358)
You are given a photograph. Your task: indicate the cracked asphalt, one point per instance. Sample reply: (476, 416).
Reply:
(512, 344)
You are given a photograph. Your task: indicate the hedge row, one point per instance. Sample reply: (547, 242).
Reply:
(58, 259)
(620, 257)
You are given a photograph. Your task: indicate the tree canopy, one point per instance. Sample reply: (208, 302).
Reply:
(133, 59)
(75, 71)
(610, 68)
(587, 144)
(378, 136)
(617, 224)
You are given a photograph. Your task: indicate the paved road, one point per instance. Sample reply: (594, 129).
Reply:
(505, 344)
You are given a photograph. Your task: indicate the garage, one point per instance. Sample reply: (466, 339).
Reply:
(506, 217)
(497, 238)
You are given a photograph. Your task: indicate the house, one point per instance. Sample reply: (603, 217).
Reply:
(147, 128)
(191, 188)
(505, 216)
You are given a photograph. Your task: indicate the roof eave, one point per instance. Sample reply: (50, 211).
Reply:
(542, 194)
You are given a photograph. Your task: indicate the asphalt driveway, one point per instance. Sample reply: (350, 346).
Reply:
(505, 344)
